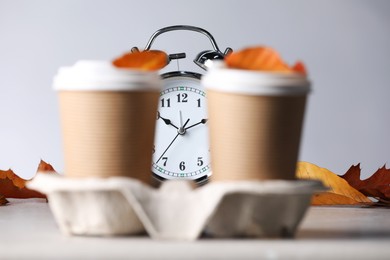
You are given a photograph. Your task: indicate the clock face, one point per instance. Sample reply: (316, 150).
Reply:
(181, 146)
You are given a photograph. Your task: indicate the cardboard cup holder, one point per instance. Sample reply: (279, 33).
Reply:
(176, 211)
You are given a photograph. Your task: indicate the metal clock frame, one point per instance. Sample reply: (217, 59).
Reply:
(200, 60)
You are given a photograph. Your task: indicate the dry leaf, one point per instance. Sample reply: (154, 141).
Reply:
(145, 60)
(329, 198)
(376, 186)
(3, 200)
(45, 167)
(340, 192)
(262, 59)
(12, 186)
(299, 67)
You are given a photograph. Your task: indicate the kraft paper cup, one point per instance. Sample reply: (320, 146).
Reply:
(255, 123)
(108, 119)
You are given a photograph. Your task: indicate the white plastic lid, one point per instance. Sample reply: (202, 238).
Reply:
(91, 75)
(255, 82)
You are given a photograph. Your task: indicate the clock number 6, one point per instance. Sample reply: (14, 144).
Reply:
(182, 166)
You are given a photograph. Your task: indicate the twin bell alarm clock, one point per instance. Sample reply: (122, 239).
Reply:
(181, 146)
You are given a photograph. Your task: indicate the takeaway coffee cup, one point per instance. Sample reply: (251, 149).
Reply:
(108, 119)
(255, 122)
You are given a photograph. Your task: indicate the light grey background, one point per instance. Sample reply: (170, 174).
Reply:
(345, 45)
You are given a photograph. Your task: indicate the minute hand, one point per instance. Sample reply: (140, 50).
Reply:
(203, 121)
(179, 133)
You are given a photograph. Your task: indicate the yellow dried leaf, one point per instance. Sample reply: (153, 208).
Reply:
(339, 193)
(329, 198)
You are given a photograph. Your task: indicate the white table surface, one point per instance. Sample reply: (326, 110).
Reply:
(28, 231)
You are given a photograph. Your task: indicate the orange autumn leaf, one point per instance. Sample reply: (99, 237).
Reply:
(376, 186)
(45, 167)
(3, 200)
(339, 193)
(12, 186)
(299, 67)
(262, 59)
(145, 60)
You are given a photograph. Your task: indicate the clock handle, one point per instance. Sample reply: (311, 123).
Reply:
(202, 58)
(188, 28)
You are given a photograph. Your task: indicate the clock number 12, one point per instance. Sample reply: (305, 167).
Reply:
(182, 98)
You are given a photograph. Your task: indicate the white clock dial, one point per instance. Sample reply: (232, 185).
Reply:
(181, 148)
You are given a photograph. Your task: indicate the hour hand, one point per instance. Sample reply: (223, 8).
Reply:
(166, 120)
(203, 121)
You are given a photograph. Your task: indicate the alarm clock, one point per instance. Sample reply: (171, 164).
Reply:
(181, 147)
